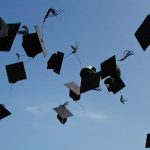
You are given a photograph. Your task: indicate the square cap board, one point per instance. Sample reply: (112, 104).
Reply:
(63, 111)
(90, 82)
(73, 87)
(114, 84)
(8, 34)
(55, 62)
(3, 112)
(15, 72)
(33, 43)
(143, 33)
(108, 67)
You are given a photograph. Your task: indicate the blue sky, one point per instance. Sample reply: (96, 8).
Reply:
(102, 28)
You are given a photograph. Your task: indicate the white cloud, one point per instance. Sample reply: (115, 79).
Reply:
(92, 115)
(39, 110)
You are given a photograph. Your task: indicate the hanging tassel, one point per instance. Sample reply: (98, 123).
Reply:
(52, 12)
(18, 58)
(126, 54)
(74, 48)
(122, 99)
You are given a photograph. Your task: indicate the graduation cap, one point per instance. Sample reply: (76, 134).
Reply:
(114, 84)
(74, 90)
(7, 34)
(62, 113)
(33, 43)
(143, 33)
(15, 72)
(3, 112)
(90, 79)
(55, 62)
(74, 96)
(109, 67)
(147, 144)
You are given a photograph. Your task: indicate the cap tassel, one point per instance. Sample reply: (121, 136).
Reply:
(126, 54)
(74, 50)
(52, 12)
(122, 99)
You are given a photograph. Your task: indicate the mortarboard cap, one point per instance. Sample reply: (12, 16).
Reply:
(74, 96)
(74, 90)
(62, 113)
(108, 67)
(7, 34)
(55, 62)
(143, 33)
(114, 84)
(15, 72)
(33, 43)
(3, 112)
(90, 79)
(147, 144)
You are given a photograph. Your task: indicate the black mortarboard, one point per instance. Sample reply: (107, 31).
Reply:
(147, 144)
(55, 62)
(74, 96)
(143, 33)
(62, 113)
(15, 72)
(108, 67)
(114, 84)
(90, 79)
(7, 34)
(33, 43)
(74, 90)
(3, 112)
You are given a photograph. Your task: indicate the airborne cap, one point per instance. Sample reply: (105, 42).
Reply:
(7, 34)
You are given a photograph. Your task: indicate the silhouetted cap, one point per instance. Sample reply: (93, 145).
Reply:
(108, 67)
(74, 96)
(114, 84)
(3, 112)
(62, 113)
(7, 34)
(55, 62)
(15, 72)
(74, 90)
(33, 43)
(147, 144)
(143, 33)
(90, 79)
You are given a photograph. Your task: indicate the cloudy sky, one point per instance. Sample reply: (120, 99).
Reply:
(102, 28)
